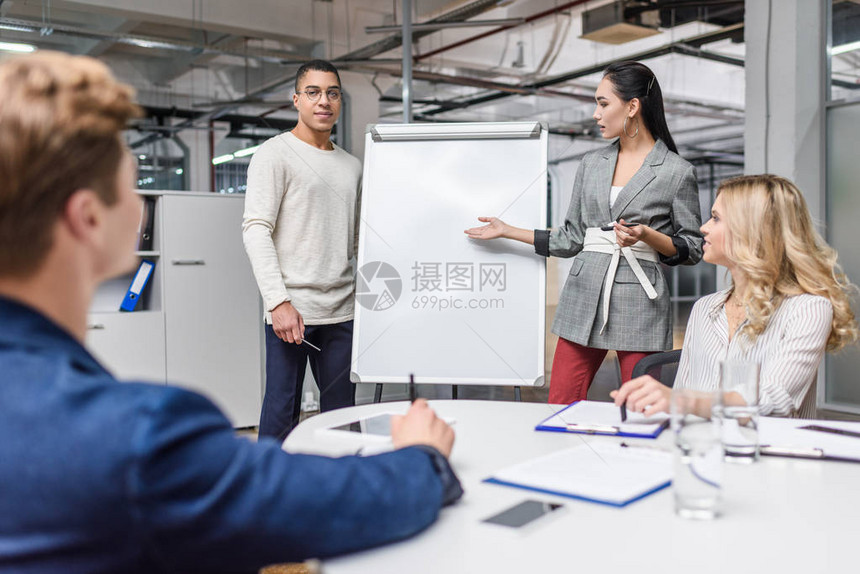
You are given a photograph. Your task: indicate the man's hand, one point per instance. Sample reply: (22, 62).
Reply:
(288, 324)
(421, 426)
(643, 395)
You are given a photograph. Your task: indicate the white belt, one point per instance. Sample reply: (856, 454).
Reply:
(600, 241)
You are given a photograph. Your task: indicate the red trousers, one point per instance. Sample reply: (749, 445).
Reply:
(574, 367)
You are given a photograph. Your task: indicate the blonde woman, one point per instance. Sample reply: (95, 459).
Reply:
(787, 305)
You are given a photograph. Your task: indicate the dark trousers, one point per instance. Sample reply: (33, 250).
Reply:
(285, 372)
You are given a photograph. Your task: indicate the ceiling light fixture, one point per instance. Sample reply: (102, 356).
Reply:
(145, 43)
(16, 47)
(222, 159)
(836, 50)
(246, 152)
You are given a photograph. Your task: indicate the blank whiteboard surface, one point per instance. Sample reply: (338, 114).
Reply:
(429, 300)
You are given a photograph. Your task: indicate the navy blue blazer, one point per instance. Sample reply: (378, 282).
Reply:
(102, 476)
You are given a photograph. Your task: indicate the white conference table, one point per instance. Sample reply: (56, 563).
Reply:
(779, 515)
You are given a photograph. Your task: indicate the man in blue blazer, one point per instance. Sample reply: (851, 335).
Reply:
(101, 476)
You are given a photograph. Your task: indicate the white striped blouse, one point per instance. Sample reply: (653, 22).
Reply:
(789, 351)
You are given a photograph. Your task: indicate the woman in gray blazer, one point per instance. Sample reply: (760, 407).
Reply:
(635, 205)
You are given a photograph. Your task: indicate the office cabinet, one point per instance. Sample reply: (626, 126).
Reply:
(130, 345)
(199, 322)
(213, 314)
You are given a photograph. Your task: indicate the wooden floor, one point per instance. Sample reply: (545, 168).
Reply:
(309, 567)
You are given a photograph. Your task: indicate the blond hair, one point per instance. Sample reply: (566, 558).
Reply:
(60, 123)
(771, 239)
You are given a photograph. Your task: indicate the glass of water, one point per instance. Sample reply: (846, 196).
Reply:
(698, 454)
(738, 408)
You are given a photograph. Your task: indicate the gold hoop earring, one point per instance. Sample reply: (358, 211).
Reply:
(636, 133)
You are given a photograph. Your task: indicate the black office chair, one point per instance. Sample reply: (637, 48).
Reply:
(661, 366)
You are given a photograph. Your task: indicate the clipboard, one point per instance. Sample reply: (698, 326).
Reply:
(805, 453)
(138, 284)
(810, 439)
(599, 418)
(605, 474)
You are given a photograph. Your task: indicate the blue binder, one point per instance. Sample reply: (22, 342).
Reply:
(138, 284)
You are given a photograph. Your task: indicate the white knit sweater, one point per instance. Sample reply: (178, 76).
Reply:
(299, 227)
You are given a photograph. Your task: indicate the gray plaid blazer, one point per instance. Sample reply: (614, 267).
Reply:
(664, 195)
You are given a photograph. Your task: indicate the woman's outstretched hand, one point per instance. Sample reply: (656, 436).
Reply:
(494, 229)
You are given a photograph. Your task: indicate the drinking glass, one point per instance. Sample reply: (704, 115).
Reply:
(738, 407)
(698, 454)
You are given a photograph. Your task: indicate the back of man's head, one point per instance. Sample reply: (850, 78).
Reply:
(60, 123)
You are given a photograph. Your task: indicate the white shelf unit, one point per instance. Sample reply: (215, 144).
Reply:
(199, 323)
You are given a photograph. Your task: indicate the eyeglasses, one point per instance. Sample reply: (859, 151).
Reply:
(313, 94)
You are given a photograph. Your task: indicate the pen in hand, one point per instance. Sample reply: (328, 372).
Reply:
(412, 395)
(311, 345)
(611, 226)
(623, 406)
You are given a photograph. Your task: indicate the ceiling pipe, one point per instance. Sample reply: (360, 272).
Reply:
(474, 83)
(674, 4)
(406, 76)
(395, 41)
(423, 27)
(436, 78)
(488, 33)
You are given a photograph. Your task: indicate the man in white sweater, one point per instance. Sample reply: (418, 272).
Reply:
(299, 230)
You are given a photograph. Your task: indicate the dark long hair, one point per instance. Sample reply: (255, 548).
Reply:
(634, 80)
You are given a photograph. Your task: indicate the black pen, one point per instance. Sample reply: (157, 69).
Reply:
(623, 406)
(611, 226)
(412, 395)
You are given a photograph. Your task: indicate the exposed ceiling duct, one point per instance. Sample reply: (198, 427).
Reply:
(527, 20)
(671, 13)
(357, 58)
(689, 46)
(152, 42)
(610, 25)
